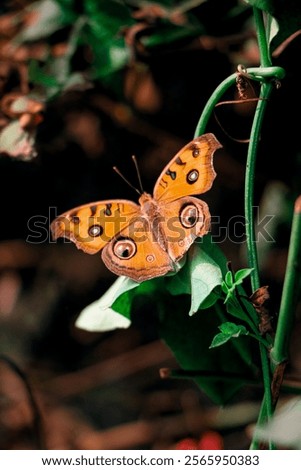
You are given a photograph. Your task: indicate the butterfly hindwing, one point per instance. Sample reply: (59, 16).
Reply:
(183, 221)
(135, 252)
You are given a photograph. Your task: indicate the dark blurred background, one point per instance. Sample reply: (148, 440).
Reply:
(93, 389)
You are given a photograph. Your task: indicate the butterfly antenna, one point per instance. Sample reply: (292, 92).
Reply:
(138, 173)
(126, 180)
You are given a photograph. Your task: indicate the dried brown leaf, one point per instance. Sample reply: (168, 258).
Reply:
(259, 299)
(260, 296)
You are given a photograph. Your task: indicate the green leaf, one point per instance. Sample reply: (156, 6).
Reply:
(234, 308)
(287, 14)
(169, 34)
(240, 275)
(106, 19)
(39, 77)
(228, 331)
(224, 287)
(189, 339)
(229, 285)
(229, 279)
(199, 277)
(129, 290)
(109, 57)
(230, 295)
(232, 329)
(98, 317)
(103, 33)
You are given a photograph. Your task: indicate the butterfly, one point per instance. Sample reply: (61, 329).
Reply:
(149, 239)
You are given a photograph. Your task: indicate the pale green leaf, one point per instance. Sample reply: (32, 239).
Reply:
(99, 316)
(200, 276)
(17, 142)
(47, 18)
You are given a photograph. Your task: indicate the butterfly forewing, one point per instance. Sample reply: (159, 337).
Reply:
(92, 226)
(190, 172)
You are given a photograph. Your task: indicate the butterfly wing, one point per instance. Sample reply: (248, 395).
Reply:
(151, 247)
(183, 221)
(136, 253)
(92, 226)
(190, 171)
(125, 231)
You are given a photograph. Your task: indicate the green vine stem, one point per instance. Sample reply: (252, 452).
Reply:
(212, 102)
(261, 419)
(261, 74)
(266, 89)
(266, 73)
(290, 292)
(265, 58)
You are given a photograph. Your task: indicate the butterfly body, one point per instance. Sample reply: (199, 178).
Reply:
(148, 239)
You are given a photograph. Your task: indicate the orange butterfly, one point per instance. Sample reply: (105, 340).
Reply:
(148, 240)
